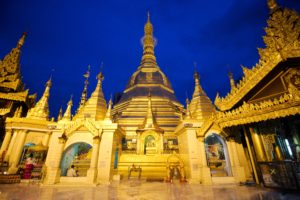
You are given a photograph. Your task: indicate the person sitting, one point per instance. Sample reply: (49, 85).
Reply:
(72, 172)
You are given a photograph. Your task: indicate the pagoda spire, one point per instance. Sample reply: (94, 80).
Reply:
(41, 109)
(148, 44)
(60, 114)
(150, 122)
(200, 107)
(68, 114)
(198, 89)
(272, 4)
(188, 113)
(108, 112)
(10, 64)
(84, 92)
(95, 106)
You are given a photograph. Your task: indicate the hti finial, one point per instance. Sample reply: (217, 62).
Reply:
(100, 76)
(272, 4)
(148, 15)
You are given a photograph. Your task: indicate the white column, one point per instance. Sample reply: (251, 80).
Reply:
(6, 141)
(92, 172)
(17, 151)
(205, 170)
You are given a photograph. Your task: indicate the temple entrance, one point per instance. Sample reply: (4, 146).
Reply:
(78, 155)
(175, 169)
(217, 156)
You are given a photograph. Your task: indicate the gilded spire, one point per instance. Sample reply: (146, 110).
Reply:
(95, 107)
(200, 106)
(41, 109)
(10, 65)
(68, 114)
(150, 122)
(84, 92)
(188, 113)
(198, 89)
(60, 114)
(272, 4)
(148, 43)
(22, 40)
(108, 112)
(232, 84)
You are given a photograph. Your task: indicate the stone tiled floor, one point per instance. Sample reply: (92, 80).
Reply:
(140, 190)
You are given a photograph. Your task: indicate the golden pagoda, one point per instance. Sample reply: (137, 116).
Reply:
(250, 134)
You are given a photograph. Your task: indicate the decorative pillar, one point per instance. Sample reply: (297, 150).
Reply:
(10, 146)
(205, 170)
(258, 145)
(54, 158)
(92, 172)
(17, 151)
(6, 141)
(237, 169)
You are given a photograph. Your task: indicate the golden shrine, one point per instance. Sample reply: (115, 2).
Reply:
(252, 134)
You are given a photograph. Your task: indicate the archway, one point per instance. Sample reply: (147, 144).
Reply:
(79, 155)
(217, 156)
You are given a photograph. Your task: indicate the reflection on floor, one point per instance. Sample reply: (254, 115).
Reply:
(135, 189)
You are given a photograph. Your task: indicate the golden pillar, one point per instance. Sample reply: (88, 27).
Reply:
(205, 170)
(92, 172)
(16, 154)
(238, 170)
(258, 145)
(6, 141)
(11, 144)
(251, 155)
(54, 158)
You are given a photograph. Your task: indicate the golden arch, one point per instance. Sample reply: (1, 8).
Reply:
(175, 168)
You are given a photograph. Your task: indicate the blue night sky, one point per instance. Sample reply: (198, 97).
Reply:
(64, 36)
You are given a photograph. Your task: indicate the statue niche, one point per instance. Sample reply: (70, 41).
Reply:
(149, 143)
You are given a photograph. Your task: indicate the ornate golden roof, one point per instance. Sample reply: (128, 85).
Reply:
(282, 41)
(41, 109)
(10, 66)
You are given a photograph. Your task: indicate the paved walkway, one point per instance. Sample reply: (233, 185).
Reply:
(140, 190)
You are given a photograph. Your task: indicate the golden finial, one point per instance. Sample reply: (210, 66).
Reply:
(22, 39)
(49, 82)
(100, 76)
(196, 74)
(272, 4)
